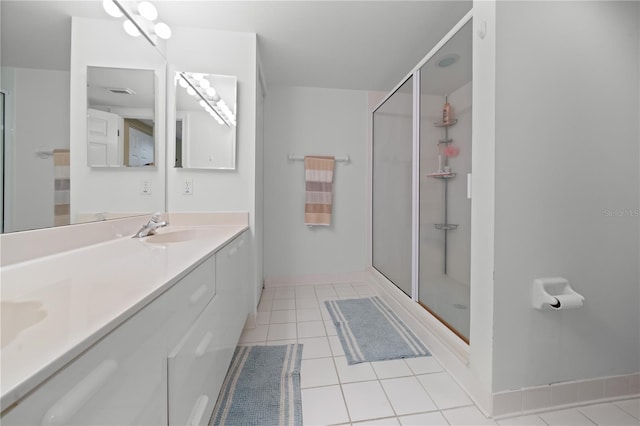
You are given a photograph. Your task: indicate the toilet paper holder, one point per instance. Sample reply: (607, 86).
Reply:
(555, 293)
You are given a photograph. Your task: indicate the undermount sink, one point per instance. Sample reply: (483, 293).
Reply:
(179, 236)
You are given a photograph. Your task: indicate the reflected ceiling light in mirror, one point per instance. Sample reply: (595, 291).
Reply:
(448, 60)
(200, 87)
(140, 17)
(111, 8)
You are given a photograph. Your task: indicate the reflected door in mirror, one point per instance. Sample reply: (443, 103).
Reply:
(120, 117)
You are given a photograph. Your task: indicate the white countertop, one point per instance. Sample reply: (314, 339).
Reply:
(54, 307)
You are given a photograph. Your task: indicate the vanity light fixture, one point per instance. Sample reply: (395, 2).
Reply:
(196, 84)
(139, 18)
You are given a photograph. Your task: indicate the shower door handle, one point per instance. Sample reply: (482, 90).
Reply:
(469, 186)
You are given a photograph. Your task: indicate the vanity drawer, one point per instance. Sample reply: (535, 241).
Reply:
(119, 380)
(197, 367)
(188, 298)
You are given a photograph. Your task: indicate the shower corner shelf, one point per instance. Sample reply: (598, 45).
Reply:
(442, 175)
(447, 123)
(445, 226)
(441, 141)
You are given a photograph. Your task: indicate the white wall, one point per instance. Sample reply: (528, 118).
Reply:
(226, 53)
(103, 43)
(37, 108)
(567, 189)
(314, 121)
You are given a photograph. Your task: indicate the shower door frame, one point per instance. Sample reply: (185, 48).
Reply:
(415, 184)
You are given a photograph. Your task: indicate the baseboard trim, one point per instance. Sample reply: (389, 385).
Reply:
(560, 396)
(312, 279)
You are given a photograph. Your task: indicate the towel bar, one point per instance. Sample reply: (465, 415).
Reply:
(293, 157)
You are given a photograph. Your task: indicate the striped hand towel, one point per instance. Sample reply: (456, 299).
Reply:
(319, 190)
(61, 187)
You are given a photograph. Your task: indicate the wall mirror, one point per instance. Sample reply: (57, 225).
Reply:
(205, 121)
(120, 117)
(36, 89)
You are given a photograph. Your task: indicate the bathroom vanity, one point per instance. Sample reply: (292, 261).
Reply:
(126, 331)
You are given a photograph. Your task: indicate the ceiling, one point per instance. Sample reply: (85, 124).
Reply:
(359, 45)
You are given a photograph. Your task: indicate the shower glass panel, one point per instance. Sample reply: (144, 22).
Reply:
(392, 170)
(445, 162)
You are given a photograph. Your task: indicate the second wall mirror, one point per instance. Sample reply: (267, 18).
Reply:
(205, 121)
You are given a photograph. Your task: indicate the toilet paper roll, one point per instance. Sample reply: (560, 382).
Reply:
(569, 301)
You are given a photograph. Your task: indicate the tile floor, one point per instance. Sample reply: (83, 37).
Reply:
(400, 392)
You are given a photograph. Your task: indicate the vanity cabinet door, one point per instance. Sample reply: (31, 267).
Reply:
(196, 369)
(118, 381)
(231, 280)
(188, 298)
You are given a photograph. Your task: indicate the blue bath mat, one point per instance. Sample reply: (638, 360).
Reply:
(262, 387)
(370, 331)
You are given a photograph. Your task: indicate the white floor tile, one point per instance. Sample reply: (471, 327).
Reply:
(282, 331)
(257, 334)
(318, 372)
(268, 293)
(311, 329)
(280, 317)
(305, 292)
(522, 421)
(315, 347)
(283, 304)
(364, 290)
(571, 417)
(284, 293)
(346, 293)
(444, 391)
(307, 304)
(323, 406)
(353, 373)
(608, 415)
(323, 291)
(424, 365)
(407, 396)
(389, 421)
(466, 416)
(434, 418)
(263, 317)
(366, 400)
(336, 346)
(631, 406)
(308, 315)
(391, 369)
(265, 305)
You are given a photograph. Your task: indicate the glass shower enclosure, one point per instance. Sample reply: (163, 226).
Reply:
(421, 183)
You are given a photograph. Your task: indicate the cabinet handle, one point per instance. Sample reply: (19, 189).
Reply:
(198, 294)
(204, 344)
(233, 251)
(197, 411)
(66, 407)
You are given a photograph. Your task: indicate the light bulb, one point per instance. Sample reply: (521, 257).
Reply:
(211, 91)
(183, 83)
(162, 30)
(111, 8)
(147, 10)
(130, 28)
(191, 91)
(203, 104)
(204, 83)
(198, 76)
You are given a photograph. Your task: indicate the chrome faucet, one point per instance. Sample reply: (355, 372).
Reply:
(151, 227)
